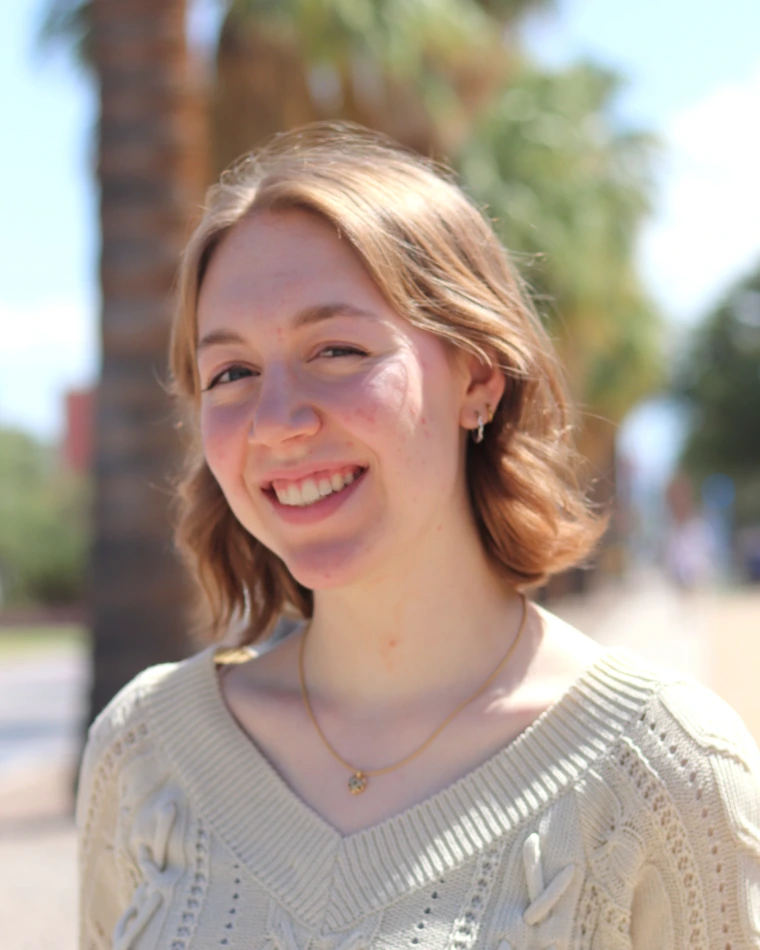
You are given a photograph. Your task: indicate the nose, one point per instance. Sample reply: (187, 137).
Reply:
(282, 410)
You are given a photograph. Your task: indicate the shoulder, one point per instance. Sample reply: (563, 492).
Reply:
(125, 729)
(131, 706)
(132, 812)
(707, 758)
(676, 715)
(707, 721)
(680, 754)
(682, 714)
(689, 767)
(669, 810)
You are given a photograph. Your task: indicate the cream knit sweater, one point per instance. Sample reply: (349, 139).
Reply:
(628, 815)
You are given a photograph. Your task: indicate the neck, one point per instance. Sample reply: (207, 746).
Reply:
(432, 627)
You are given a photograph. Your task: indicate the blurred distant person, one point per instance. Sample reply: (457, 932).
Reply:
(690, 544)
(749, 547)
(380, 447)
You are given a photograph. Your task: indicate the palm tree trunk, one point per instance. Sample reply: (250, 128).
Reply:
(151, 168)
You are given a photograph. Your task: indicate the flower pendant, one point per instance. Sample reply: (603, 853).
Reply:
(357, 783)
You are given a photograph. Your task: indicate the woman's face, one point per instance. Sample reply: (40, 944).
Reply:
(332, 425)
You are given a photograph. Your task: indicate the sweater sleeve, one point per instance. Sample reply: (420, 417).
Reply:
(712, 771)
(107, 877)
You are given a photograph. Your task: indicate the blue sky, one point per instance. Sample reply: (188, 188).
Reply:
(48, 291)
(693, 77)
(693, 71)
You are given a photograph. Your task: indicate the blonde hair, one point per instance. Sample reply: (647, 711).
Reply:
(437, 261)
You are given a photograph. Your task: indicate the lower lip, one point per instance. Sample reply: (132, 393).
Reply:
(311, 514)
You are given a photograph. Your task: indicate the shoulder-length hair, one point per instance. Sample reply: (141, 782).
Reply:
(438, 262)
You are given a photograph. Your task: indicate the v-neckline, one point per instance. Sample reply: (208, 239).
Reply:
(317, 870)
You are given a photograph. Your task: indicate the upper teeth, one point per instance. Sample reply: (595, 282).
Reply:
(312, 489)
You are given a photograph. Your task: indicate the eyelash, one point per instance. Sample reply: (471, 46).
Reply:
(216, 380)
(345, 350)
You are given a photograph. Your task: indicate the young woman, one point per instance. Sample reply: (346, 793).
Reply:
(381, 448)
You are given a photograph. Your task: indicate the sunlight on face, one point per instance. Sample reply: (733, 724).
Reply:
(311, 382)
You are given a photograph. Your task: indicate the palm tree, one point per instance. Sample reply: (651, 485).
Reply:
(151, 168)
(416, 70)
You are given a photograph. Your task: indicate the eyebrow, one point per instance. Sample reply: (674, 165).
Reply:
(305, 317)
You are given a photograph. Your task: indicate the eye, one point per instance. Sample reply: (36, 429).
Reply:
(332, 352)
(230, 375)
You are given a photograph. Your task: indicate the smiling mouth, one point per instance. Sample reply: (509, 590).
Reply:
(309, 491)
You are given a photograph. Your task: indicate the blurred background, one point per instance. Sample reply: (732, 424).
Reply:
(614, 147)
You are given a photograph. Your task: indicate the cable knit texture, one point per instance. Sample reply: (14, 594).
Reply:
(627, 816)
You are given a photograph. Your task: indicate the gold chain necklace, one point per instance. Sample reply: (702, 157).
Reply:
(359, 779)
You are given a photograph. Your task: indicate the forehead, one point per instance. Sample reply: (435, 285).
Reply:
(282, 257)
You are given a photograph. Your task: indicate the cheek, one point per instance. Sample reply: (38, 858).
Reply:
(386, 399)
(406, 413)
(222, 440)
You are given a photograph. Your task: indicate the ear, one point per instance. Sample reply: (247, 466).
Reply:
(485, 387)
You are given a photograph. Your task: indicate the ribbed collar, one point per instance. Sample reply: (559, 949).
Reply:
(329, 880)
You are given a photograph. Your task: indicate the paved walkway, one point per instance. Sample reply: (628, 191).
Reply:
(38, 881)
(715, 638)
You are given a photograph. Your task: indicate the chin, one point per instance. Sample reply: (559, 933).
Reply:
(328, 566)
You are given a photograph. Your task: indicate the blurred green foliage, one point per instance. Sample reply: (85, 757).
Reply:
(44, 524)
(24, 641)
(719, 377)
(568, 189)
